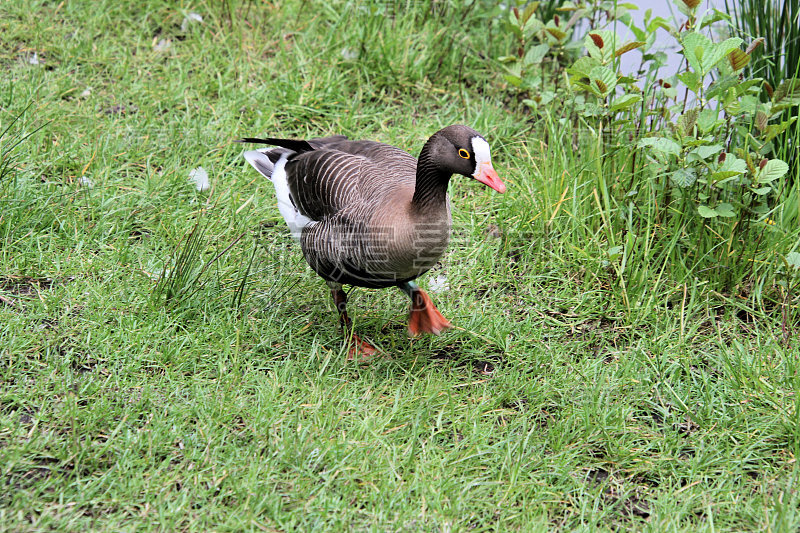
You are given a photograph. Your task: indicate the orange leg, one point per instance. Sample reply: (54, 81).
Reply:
(424, 317)
(359, 350)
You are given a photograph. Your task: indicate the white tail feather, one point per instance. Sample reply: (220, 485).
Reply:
(260, 161)
(277, 175)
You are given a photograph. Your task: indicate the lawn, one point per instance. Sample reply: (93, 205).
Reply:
(562, 399)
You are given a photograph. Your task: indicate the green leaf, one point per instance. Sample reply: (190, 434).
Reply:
(719, 52)
(514, 80)
(786, 95)
(793, 258)
(786, 89)
(707, 120)
(600, 44)
(514, 24)
(725, 210)
(687, 7)
(773, 130)
(716, 16)
(603, 80)
(722, 175)
(659, 22)
(761, 209)
(774, 169)
(639, 33)
(532, 27)
(683, 177)
(703, 55)
(583, 66)
(733, 164)
(693, 142)
(625, 101)
(706, 212)
(721, 85)
(704, 152)
(691, 80)
(693, 43)
(761, 191)
(730, 168)
(536, 53)
(580, 85)
(614, 252)
(660, 144)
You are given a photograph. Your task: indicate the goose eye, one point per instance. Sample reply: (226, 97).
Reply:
(463, 153)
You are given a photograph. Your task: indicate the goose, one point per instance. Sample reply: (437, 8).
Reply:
(372, 215)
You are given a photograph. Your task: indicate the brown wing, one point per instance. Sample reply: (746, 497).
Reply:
(344, 174)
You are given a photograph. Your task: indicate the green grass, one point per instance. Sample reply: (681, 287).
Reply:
(573, 393)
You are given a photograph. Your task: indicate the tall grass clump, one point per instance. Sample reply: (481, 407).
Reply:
(776, 25)
(676, 176)
(23, 207)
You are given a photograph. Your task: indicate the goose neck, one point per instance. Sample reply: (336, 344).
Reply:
(431, 187)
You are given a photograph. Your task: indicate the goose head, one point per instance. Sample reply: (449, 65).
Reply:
(461, 150)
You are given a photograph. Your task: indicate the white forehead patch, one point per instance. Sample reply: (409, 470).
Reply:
(481, 150)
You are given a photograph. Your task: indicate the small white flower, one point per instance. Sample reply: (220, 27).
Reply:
(349, 54)
(200, 178)
(438, 284)
(191, 18)
(162, 45)
(86, 182)
(34, 59)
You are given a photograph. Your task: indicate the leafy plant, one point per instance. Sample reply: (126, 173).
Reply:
(776, 58)
(700, 163)
(544, 43)
(776, 26)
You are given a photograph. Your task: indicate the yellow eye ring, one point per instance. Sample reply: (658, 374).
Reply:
(463, 153)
